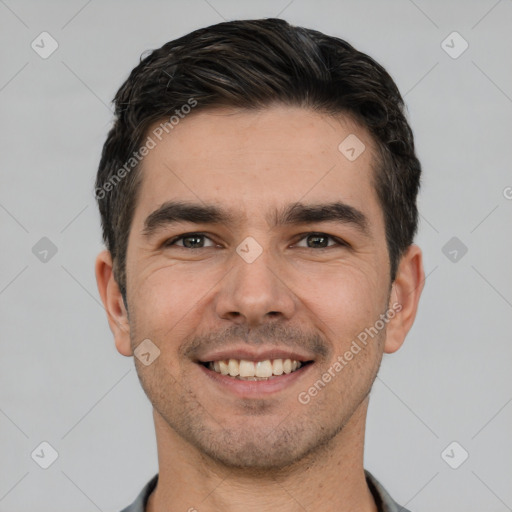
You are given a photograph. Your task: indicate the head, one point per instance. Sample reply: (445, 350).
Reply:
(251, 65)
(247, 123)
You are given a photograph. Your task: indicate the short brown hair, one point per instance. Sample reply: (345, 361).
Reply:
(251, 64)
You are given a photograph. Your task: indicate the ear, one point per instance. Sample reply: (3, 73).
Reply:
(113, 302)
(405, 295)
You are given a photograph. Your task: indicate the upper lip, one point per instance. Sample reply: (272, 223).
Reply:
(253, 355)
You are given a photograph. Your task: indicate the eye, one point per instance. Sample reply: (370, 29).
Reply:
(197, 241)
(189, 241)
(320, 241)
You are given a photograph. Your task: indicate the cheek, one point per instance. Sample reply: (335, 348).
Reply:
(345, 300)
(170, 297)
(340, 297)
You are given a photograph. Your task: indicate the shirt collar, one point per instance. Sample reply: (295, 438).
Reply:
(384, 501)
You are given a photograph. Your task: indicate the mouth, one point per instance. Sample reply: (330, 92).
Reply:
(248, 379)
(247, 370)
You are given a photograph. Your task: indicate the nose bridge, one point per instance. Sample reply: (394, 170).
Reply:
(254, 290)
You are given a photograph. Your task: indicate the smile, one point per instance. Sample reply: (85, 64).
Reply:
(243, 369)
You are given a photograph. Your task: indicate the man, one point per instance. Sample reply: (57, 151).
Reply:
(258, 202)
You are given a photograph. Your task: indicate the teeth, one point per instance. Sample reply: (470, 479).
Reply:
(277, 366)
(245, 368)
(263, 369)
(224, 367)
(233, 367)
(248, 370)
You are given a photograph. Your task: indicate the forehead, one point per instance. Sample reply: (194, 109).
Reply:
(259, 160)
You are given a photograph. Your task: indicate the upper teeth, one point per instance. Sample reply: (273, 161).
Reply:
(245, 368)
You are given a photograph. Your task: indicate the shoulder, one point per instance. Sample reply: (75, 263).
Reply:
(139, 505)
(385, 503)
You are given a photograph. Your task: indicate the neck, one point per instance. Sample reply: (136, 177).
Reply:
(330, 479)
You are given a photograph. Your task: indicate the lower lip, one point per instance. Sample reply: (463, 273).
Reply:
(255, 388)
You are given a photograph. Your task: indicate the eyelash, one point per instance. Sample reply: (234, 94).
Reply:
(171, 242)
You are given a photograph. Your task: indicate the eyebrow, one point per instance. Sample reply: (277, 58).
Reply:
(172, 212)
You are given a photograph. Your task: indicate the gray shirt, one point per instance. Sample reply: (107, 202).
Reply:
(384, 501)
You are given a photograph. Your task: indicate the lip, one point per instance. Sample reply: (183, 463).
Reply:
(254, 389)
(253, 355)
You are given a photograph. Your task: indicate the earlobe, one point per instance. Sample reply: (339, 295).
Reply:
(404, 299)
(113, 302)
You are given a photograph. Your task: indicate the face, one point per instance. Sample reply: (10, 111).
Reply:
(264, 273)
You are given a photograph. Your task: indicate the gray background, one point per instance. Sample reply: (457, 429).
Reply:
(61, 379)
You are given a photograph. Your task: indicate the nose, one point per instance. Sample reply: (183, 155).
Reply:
(256, 292)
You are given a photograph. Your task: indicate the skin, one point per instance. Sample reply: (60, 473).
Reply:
(217, 451)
